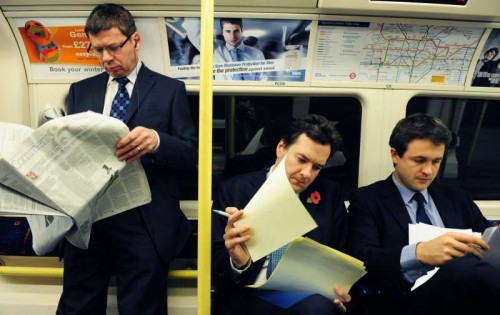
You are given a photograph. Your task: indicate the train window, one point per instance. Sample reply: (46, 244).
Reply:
(473, 161)
(246, 130)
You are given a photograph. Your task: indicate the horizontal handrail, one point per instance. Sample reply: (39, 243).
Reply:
(57, 272)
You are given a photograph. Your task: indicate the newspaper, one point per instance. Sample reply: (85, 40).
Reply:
(65, 176)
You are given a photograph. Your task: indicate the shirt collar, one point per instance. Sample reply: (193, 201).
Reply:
(132, 77)
(406, 193)
(241, 47)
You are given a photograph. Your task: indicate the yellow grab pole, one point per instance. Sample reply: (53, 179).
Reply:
(205, 156)
(57, 272)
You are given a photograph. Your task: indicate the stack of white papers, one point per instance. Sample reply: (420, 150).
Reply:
(424, 232)
(275, 214)
(308, 266)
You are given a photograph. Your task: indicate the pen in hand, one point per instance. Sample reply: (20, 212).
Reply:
(222, 213)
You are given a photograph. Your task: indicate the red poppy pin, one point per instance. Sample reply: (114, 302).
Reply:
(314, 198)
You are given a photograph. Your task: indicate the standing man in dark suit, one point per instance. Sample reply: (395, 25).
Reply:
(309, 142)
(379, 215)
(137, 245)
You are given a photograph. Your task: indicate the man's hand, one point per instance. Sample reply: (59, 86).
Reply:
(234, 240)
(136, 143)
(343, 297)
(444, 248)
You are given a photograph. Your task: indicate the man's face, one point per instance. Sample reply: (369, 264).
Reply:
(122, 62)
(232, 34)
(490, 55)
(246, 109)
(419, 165)
(305, 159)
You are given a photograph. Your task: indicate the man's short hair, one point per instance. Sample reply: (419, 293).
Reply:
(494, 49)
(237, 21)
(317, 128)
(419, 126)
(107, 16)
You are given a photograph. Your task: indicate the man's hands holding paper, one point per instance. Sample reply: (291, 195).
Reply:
(234, 240)
(136, 143)
(344, 297)
(444, 248)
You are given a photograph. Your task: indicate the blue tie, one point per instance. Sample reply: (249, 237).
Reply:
(421, 215)
(274, 258)
(236, 56)
(121, 100)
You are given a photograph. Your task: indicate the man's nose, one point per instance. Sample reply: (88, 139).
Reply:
(106, 56)
(306, 171)
(427, 168)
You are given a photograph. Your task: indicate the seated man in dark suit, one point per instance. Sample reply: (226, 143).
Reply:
(379, 218)
(309, 142)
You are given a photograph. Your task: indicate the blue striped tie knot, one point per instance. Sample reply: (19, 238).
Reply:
(121, 101)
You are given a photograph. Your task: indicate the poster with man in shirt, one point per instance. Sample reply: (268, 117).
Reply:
(244, 49)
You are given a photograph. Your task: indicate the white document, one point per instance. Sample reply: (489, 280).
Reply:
(492, 236)
(424, 232)
(68, 165)
(275, 215)
(308, 266)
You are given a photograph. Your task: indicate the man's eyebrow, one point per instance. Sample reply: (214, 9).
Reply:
(302, 156)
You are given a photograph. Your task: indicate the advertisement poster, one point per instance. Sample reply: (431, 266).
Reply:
(487, 71)
(56, 48)
(244, 49)
(353, 51)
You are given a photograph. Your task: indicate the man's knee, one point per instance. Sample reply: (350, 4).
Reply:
(315, 305)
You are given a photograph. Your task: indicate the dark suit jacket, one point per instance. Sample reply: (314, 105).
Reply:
(378, 227)
(330, 215)
(159, 103)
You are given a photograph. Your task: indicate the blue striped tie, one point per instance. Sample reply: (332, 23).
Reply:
(121, 100)
(236, 56)
(274, 258)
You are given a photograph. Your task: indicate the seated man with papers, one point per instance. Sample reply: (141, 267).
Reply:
(382, 219)
(240, 256)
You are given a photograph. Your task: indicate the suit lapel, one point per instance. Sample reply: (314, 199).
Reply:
(447, 212)
(98, 93)
(306, 194)
(255, 183)
(142, 86)
(394, 202)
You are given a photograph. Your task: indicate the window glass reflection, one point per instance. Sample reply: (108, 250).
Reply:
(246, 130)
(473, 161)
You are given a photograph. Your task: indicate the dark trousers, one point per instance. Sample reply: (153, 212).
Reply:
(464, 285)
(243, 303)
(121, 246)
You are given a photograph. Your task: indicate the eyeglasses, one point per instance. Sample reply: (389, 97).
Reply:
(112, 50)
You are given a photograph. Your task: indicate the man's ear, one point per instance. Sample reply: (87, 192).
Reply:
(394, 156)
(281, 149)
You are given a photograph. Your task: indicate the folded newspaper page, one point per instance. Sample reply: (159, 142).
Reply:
(310, 267)
(68, 165)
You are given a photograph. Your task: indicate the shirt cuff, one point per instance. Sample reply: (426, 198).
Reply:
(411, 268)
(157, 142)
(235, 272)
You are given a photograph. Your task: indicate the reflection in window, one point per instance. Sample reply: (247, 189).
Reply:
(473, 161)
(246, 130)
